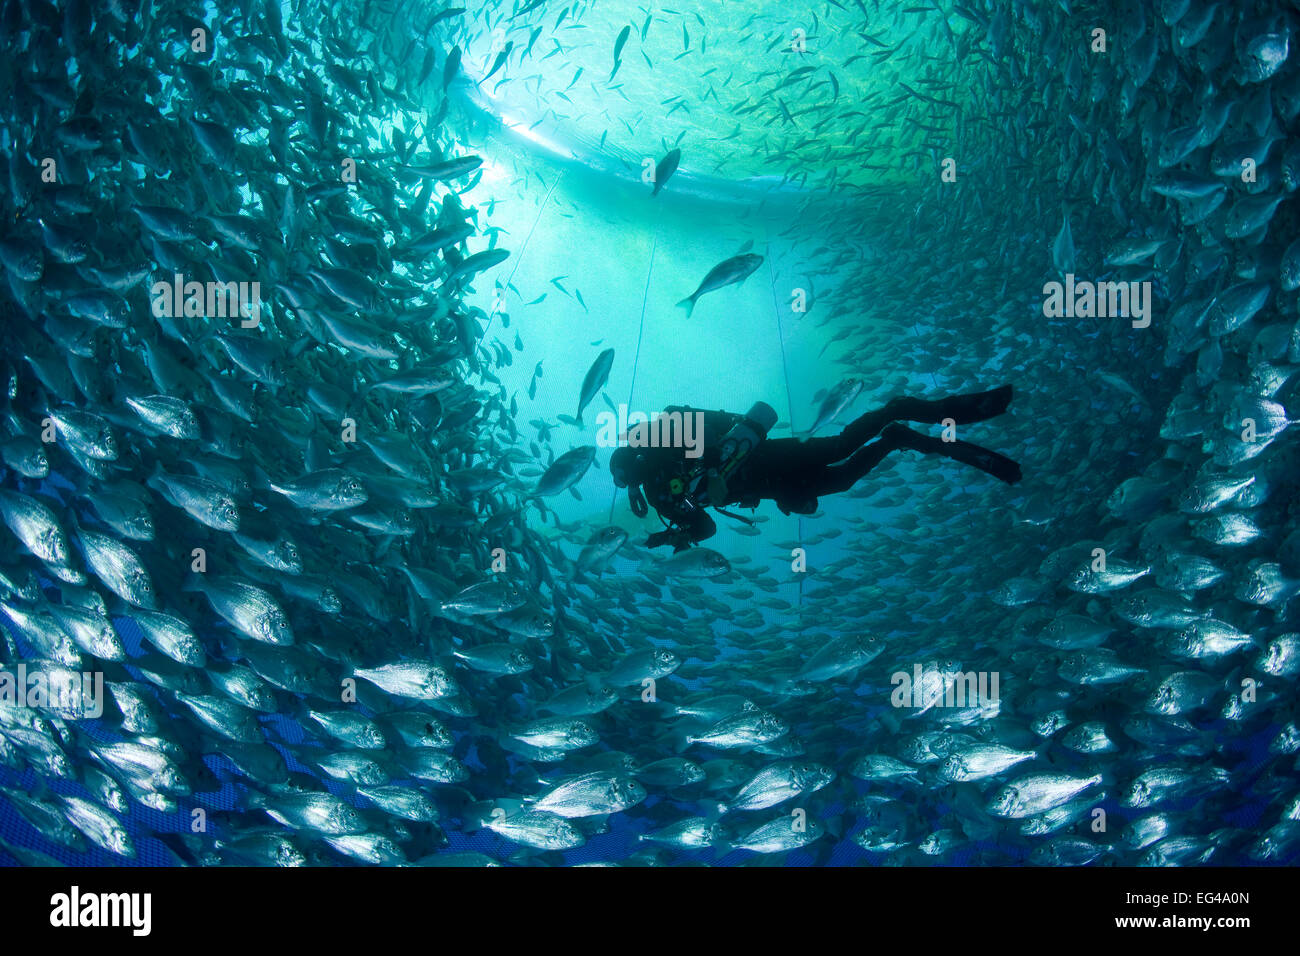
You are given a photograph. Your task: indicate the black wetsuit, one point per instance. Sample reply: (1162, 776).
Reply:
(795, 473)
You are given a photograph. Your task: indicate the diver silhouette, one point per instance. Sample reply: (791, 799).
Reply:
(737, 467)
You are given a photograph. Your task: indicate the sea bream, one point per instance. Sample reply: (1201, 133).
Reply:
(729, 272)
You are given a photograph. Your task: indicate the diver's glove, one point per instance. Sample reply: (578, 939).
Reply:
(637, 501)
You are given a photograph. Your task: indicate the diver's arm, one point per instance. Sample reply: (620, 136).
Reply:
(689, 525)
(687, 522)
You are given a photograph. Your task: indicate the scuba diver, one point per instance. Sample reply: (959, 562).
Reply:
(738, 467)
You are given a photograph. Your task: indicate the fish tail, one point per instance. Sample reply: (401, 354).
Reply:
(688, 304)
(261, 481)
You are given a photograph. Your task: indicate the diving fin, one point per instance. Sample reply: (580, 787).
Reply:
(986, 460)
(999, 466)
(961, 409)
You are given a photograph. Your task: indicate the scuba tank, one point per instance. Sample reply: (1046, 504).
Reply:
(743, 438)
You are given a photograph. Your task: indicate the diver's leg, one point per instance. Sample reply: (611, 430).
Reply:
(827, 450)
(857, 433)
(798, 473)
(999, 466)
(797, 493)
(785, 470)
(792, 471)
(962, 409)
(773, 464)
(837, 479)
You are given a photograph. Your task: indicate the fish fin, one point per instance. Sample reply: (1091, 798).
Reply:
(261, 480)
(412, 602)
(474, 815)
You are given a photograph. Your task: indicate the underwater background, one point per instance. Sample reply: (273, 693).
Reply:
(351, 602)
